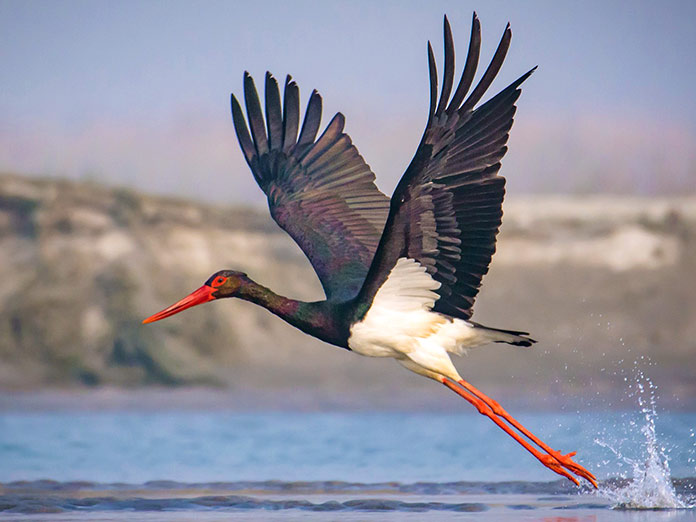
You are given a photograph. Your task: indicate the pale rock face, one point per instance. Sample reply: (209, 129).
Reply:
(114, 245)
(633, 247)
(186, 249)
(627, 247)
(533, 212)
(239, 250)
(599, 232)
(90, 220)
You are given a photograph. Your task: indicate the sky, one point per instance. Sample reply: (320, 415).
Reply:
(136, 94)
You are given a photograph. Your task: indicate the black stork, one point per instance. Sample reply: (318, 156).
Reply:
(400, 275)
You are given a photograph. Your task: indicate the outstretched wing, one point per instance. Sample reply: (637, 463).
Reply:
(320, 191)
(447, 208)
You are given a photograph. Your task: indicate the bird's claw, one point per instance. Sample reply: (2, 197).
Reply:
(559, 463)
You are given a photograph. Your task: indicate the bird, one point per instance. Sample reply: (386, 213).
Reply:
(400, 274)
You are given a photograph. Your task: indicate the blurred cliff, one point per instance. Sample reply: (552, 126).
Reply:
(599, 281)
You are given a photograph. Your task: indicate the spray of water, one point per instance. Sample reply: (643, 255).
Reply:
(645, 480)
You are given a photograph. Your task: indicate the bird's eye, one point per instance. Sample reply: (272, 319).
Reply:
(219, 281)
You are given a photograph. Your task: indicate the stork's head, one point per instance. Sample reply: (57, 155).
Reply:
(225, 283)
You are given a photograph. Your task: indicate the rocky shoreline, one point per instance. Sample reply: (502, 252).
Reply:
(601, 281)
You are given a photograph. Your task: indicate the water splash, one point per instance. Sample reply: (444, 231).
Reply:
(645, 480)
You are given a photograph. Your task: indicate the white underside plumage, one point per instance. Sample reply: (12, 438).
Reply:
(401, 324)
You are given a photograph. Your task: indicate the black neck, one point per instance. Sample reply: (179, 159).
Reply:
(318, 318)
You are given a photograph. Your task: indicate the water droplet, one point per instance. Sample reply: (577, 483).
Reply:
(650, 484)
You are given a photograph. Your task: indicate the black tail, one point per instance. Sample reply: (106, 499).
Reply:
(513, 337)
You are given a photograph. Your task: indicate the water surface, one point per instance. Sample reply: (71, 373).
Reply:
(353, 464)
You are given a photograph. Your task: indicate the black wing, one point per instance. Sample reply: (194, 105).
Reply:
(320, 191)
(447, 208)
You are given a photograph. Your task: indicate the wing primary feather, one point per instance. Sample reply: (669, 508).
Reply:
(258, 131)
(312, 119)
(469, 71)
(491, 71)
(291, 113)
(326, 140)
(274, 120)
(242, 130)
(433, 83)
(448, 74)
(506, 92)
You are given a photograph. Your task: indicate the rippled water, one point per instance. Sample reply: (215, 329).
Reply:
(528, 501)
(73, 462)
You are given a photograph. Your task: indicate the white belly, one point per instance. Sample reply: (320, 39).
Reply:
(395, 334)
(400, 323)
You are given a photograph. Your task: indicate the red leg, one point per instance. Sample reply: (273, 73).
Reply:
(554, 461)
(564, 460)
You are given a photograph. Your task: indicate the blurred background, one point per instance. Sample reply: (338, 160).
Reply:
(123, 189)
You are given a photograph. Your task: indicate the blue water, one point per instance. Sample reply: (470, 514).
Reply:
(81, 465)
(135, 446)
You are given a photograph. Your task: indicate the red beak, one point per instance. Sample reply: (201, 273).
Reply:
(202, 295)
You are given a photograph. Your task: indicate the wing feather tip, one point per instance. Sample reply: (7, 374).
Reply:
(289, 81)
(341, 119)
(432, 68)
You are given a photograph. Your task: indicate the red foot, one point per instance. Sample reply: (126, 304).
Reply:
(574, 467)
(553, 464)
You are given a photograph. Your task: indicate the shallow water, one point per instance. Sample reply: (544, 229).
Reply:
(354, 464)
(137, 446)
(107, 465)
